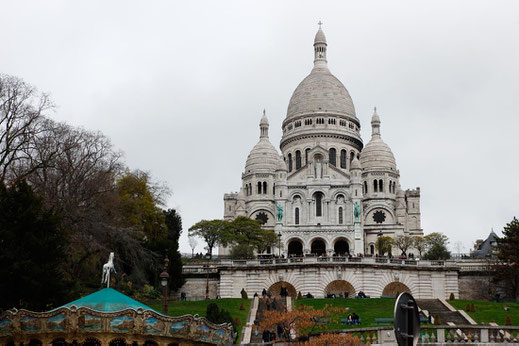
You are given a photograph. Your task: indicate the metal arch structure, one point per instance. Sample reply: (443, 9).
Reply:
(406, 320)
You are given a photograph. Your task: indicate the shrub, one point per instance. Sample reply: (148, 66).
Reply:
(437, 320)
(237, 322)
(451, 297)
(299, 295)
(467, 307)
(472, 308)
(244, 294)
(508, 321)
(149, 292)
(242, 307)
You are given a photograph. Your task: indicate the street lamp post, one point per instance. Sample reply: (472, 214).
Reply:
(279, 244)
(164, 281)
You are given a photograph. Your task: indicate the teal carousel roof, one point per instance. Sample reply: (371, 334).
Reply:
(107, 300)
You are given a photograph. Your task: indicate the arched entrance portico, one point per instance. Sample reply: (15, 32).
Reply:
(318, 247)
(394, 289)
(340, 288)
(295, 247)
(341, 247)
(275, 289)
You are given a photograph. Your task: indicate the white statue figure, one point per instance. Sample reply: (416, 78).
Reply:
(107, 268)
(318, 170)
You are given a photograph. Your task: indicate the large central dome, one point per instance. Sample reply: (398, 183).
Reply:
(320, 91)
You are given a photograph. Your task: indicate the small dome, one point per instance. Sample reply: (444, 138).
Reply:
(377, 154)
(264, 120)
(282, 165)
(355, 164)
(263, 157)
(319, 37)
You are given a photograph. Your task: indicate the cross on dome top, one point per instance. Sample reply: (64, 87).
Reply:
(320, 23)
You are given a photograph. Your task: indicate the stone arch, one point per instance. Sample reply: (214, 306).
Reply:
(318, 246)
(394, 288)
(341, 246)
(295, 246)
(91, 342)
(117, 342)
(264, 215)
(150, 343)
(296, 193)
(339, 288)
(59, 342)
(336, 194)
(37, 342)
(368, 214)
(275, 289)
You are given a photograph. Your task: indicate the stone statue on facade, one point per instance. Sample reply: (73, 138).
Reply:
(318, 170)
(356, 211)
(108, 267)
(279, 212)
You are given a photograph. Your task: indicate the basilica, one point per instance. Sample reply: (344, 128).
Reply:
(327, 192)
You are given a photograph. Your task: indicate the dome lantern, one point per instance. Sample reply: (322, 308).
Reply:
(264, 126)
(320, 48)
(375, 123)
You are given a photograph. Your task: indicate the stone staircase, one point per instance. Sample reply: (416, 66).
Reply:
(437, 308)
(262, 306)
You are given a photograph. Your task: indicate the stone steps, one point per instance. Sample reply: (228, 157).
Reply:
(437, 308)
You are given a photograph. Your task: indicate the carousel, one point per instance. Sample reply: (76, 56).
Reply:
(108, 317)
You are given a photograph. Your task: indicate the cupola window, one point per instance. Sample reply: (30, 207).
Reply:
(290, 162)
(298, 160)
(332, 156)
(343, 158)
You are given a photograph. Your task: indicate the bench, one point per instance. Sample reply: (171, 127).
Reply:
(390, 320)
(345, 321)
(387, 297)
(384, 320)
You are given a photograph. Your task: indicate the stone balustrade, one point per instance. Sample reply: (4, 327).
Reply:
(440, 335)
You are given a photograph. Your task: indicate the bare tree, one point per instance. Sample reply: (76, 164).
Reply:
(419, 244)
(403, 242)
(21, 109)
(458, 246)
(192, 243)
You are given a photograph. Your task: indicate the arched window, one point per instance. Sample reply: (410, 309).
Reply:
(352, 156)
(265, 187)
(390, 186)
(298, 159)
(340, 216)
(318, 204)
(332, 156)
(372, 249)
(366, 187)
(274, 189)
(375, 187)
(290, 162)
(307, 151)
(343, 158)
(381, 185)
(259, 187)
(296, 216)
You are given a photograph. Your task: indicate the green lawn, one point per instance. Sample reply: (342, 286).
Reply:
(489, 311)
(367, 309)
(199, 307)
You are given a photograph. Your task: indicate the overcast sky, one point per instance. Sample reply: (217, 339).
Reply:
(180, 86)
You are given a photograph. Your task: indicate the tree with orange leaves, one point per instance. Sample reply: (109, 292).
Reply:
(302, 321)
(333, 339)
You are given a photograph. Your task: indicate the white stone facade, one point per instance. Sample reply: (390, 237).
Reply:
(324, 170)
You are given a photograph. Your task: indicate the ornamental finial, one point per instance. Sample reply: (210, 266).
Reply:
(320, 23)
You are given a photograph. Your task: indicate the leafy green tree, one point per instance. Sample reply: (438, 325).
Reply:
(33, 251)
(436, 246)
(508, 255)
(242, 251)
(244, 232)
(139, 206)
(211, 231)
(383, 245)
